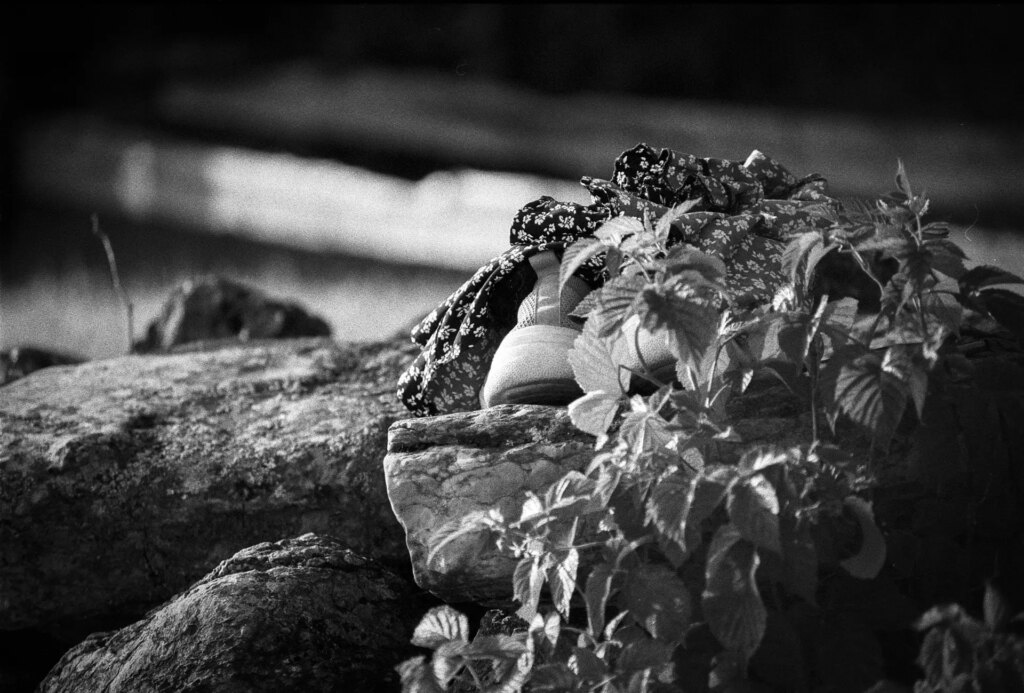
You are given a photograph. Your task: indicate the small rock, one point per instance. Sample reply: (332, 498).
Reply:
(21, 360)
(304, 614)
(215, 308)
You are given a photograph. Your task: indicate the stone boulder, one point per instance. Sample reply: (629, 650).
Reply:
(123, 481)
(218, 308)
(442, 468)
(303, 614)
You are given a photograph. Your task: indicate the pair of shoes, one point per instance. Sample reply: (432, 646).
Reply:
(531, 365)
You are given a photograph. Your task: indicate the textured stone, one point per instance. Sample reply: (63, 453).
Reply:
(303, 614)
(122, 481)
(441, 468)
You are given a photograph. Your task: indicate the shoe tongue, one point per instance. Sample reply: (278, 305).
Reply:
(549, 302)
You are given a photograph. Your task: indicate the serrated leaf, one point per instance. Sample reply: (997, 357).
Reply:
(816, 255)
(616, 303)
(447, 660)
(1006, 307)
(527, 581)
(947, 257)
(562, 579)
(906, 362)
(613, 231)
(996, 608)
(986, 275)
(691, 325)
(594, 412)
(599, 584)
(796, 250)
(754, 508)
(648, 435)
(500, 646)
(658, 600)
(731, 601)
(595, 360)
(416, 676)
(585, 306)
(704, 268)
(440, 625)
(856, 385)
(576, 255)
(867, 563)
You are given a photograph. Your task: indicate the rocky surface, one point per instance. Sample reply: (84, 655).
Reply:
(123, 481)
(303, 614)
(218, 308)
(442, 468)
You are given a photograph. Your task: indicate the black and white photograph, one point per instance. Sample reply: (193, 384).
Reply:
(500, 348)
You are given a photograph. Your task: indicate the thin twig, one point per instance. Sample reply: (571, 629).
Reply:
(115, 278)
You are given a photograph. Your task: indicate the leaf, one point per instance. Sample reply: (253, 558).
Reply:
(902, 183)
(500, 646)
(792, 336)
(599, 584)
(595, 360)
(554, 677)
(692, 326)
(817, 254)
(440, 625)
(613, 231)
(576, 255)
(997, 609)
(854, 383)
(1006, 307)
(562, 578)
(527, 581)
(658, 600)
(416, 677)
(677, 507)
(796, 250)
(986, 275)
(587, 665)
(731, 602)
(647, 434)
(868, 562)
(947, 257)
(754, 509)
(616, 302)
(594, 412)
(683, 258)
(644, 654)
(906, 362)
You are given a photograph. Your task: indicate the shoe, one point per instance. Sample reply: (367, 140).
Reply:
(531, 365)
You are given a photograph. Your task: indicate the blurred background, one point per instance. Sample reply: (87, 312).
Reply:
(364, 160)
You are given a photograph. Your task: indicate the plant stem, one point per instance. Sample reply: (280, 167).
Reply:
(115, 278)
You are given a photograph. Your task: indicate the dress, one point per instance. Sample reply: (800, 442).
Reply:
(744, 216)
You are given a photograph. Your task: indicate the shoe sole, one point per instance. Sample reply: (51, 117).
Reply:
(531, 366)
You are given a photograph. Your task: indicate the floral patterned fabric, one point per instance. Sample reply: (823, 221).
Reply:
(744, 215)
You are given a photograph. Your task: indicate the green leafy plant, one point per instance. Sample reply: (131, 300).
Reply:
(678, 560)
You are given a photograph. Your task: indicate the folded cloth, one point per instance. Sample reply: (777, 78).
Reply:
(743, 215)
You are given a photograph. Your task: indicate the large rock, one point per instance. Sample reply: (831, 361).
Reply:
(303, 614)
(123, 481)
(442, 468)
